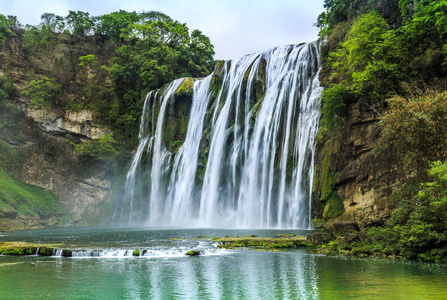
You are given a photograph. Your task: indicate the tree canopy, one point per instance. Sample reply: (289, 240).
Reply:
(150, 50)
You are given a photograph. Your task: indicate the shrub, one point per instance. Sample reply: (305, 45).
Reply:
(333, 106)
(44, 92)
(417, 228)
(417, 126)
(7, 88)
(87, 60)
(103, 148)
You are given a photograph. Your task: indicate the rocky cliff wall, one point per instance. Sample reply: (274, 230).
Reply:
(45, 137)
(354, 177)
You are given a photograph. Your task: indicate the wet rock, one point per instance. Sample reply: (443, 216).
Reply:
(193, 253)
(375, 223)
(343, 228)
(46, 251)
(67, 253)
(319, 238)
(358, 237)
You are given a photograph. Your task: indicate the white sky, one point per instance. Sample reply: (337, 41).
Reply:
(235, 27)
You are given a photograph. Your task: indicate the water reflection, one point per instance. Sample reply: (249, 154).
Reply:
(233, 274)
(241, 275)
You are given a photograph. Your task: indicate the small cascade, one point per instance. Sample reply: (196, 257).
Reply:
(235, 149)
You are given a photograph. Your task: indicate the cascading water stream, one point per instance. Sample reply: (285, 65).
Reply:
(247, 157)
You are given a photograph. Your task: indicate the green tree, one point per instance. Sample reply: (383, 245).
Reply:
(80, 22)
(51, 22)
(338, 11)
(86, 60)
(197, 55)
(423, 235)
(117, 25)
(44, 92)
(7, 88)
(370, 59)
(5, 31)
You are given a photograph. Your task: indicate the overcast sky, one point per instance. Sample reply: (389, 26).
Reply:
(235, 27)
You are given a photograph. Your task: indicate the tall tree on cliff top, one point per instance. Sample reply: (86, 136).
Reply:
(79, 22)
(4, 29)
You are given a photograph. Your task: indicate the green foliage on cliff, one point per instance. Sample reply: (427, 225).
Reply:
(5, 31)
(395, 50)
(333, 106)
(86, 60)
(417, 127)
(396, 58)
(7, 88)
(417, 228)
(374, 50)
(44, 92)
(103, 148)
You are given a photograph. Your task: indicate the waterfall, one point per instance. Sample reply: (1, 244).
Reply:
(235, 149)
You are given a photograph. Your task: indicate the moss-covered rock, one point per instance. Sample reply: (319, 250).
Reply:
(193, 253)
(187, 87)
(23, 248)
(282, 241)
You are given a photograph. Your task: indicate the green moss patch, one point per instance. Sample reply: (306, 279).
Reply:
(266, 242)
(334, 206)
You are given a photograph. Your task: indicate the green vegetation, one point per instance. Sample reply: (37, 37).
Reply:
(134, 53)
(26, 199)
(44, 92)
(5, 30)
(87, 60)
(7, 88)
(391, 57)
(416, 229)
(281, 241)
(103, 148)
(417, 127)
(377, 48)
(23, 248)
(333, 107)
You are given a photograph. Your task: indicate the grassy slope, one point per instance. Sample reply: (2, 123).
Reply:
(26, 199)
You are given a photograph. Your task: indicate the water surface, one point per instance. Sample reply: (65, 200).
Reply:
(218, 274)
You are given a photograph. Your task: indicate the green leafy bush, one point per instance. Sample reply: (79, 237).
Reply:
(5, 31)
(86, 60)
(44, 92)
(368, 59)
(103, 148)
(7, 88)
(417, 228)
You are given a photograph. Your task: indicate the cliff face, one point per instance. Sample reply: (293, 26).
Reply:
(354, 178)
(45, 137)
